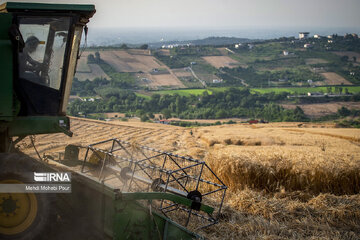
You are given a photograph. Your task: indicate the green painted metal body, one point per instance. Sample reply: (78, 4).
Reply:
(31, 125)
(133, 221)
(11, 6)
(121, 216)
(6, 61)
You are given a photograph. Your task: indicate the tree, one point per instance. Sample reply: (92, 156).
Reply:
(91, 59)
(144, 46)
(166, 113)
(124, 46)
(354, 58)
(144, 118)
(221, 114)
(340, 90)
(344, 58)
(97, 57)
(151, 115)
(343, 111)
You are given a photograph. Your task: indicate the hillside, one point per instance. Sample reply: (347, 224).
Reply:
(283, 76)
(276, 63)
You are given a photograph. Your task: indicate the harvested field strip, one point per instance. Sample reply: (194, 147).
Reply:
(221, 61)
(285, 217)
(87, 131)
(353, 139)
(332, 78)
(98, 122)
(276, 173)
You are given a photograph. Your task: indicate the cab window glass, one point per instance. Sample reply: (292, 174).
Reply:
(42, 59)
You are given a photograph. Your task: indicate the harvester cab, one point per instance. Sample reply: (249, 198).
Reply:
(39, 45)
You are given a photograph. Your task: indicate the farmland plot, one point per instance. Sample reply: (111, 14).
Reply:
(157, 80)
(89, 71)
(82, 65)
(181, 72)
(221, 61)
(350, 55)
(122, 61)
(332, 78)
(323, 109)
(164, 52)
(95, 72)
(310, 61)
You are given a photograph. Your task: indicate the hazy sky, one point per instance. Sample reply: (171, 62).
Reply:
(222, 13)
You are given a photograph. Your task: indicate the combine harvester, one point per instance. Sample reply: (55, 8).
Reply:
(120, 189)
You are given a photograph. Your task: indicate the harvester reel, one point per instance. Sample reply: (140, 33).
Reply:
(144, 169)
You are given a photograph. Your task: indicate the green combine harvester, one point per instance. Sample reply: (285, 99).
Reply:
(119, 190)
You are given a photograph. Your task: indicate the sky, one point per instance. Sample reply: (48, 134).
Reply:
(221, 13)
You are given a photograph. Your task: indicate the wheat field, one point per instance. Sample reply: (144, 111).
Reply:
(286, 180)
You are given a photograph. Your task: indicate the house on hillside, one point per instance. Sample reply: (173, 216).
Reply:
(87, 99)
(303, 35)
(238, 45)
(307, 45)
(315, 94)
(317, 36)
(217, 80)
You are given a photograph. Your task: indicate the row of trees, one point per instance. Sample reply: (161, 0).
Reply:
(230, 103)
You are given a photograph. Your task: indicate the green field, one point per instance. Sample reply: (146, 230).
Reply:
(183, 92)
(299, 90)
(142, 95)
(291, 90)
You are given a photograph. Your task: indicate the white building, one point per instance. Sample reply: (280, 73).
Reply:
(317, 36)
(303, 35)
(286, 53)
(307, 45)
(238, 45)
(217, 80)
